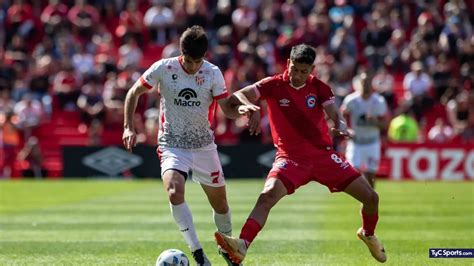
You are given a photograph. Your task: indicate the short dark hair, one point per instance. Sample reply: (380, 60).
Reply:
(303, 53)
(193, 42)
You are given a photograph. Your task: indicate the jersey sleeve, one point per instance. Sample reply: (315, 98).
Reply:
(219, 90)
(326, 96)
(262, 87)
(152, 75)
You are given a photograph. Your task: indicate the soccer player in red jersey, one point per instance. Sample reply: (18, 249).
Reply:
(296, 102)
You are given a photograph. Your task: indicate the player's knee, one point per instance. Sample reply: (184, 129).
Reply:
(373, 199)
(175, 197)
(175, 194)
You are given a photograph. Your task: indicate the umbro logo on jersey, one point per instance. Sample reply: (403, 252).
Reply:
(284, 102)
(185, 98)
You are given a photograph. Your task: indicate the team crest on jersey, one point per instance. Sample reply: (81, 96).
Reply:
(199, 80)
(311, 101)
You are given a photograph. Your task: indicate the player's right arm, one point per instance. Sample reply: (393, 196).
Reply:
(146, 82)
(248, 96)
(129, 134)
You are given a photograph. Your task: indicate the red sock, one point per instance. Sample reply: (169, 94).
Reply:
(250, 230)
(369, 221)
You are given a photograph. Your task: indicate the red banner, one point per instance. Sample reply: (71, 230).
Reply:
(429, 161)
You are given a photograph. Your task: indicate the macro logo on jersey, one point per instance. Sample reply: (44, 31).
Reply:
(186, 97)
(311, 101)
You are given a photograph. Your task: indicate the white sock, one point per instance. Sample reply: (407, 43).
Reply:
(184, 219)
(223, 222)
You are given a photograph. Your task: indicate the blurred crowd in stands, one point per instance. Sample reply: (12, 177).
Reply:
(83, 55)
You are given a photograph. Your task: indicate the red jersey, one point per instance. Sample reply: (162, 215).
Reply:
(297, 115)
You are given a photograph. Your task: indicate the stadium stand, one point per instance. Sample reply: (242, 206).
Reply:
(49, 50)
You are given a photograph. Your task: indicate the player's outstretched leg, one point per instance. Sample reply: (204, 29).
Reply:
(273, 191)
(363, 192)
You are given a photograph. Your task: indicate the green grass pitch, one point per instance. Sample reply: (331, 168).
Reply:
(117, 222)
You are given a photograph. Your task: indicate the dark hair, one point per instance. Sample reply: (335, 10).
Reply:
(303, 53)
(193, 42)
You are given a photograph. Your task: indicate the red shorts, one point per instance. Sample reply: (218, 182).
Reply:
(325, 166)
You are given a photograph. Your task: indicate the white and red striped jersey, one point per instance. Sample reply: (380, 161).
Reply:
(187, 101)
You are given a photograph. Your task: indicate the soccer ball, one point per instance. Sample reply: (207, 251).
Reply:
(172, 257)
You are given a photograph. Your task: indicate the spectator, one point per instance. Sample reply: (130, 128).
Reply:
(32, 155)
(114, 97)
(65, 87)
(54, 17)
(20, 20)
(458, 112)
(316, 30)
(383, 83)
(17, 51)
(83, 61)
(375, 38)
(130, 54)
(417, 85)
(196, 13)
(223, 52)
(343, 40)
(9, 141)
(223, 15)
(451, 34)
(442, 75)
(396, 47)
(30, 114)
(91, 103)
(84, 18)
(131, 23)
(159, 19)
(40, 83)
(7, 74)
(95, 131)
(467, 136)
(440, 132)
(339, 12)
(243, 18)
(6, 103)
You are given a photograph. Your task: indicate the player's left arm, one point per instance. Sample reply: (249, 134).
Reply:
(238, 104)
(340, 124)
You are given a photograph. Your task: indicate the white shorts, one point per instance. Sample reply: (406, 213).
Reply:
(364, 157)
(203, 163)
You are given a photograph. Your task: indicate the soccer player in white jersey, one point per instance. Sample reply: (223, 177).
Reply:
(367, 111)
(189, 88)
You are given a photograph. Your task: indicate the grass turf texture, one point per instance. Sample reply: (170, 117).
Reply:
(129, 223)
